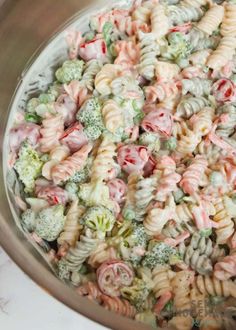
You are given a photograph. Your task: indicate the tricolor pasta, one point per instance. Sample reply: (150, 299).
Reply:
(126, 163)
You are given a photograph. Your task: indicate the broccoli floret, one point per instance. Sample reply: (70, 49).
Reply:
(170, 144)
(178, 48)
(90, 113)
(160, 253)
(81, 176)
(135, 241)
(92, 132)
(72, 189)
(90, 116)
(99, 218)
(28, 220)
(50, 222)
(70, 70)
(63, 271)
(137, 293)
(28, 166)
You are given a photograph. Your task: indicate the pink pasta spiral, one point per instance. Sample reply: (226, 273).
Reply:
(126, 25)
(161, 91)
(128, 53)
(90, 290)
(120, 306)
(193, 175)
(168, 181)
(71, 165)
(51, 132)
(226, 268)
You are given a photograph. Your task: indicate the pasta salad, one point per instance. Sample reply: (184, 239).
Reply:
(126, 163)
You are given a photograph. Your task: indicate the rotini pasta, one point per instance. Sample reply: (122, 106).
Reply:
(104, 166)
(159, 21)
(68, 167)
(211, 20)
(126, 165)
(51, 131)
(72, 226)
(223, 53)
(149, 50)
(228, 26)
(113, 116)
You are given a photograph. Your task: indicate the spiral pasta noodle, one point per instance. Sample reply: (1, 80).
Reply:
(228, 26)
(223, 53)
(202, 122)
(188, 106)
(105, 77)
(187, 139)
(197, 254)
(192, 176)
(144, 194)
(119, 306)
(80, 252)
(89, 290)
(124, 167)
(149, 50)
(51, 131)
(181, 288)
(184, 13)
(91, 70)
(226, 225)
(113, 116)
(68, 167)
(159, 21)
(211, 20)
(72, 227)
(104, 162)
(211, 286)
(103, 253)
(158, 217)
(162, 276)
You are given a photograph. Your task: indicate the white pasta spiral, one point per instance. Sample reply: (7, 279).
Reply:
(72, 226)
(203, 121)
(162, 276)
(91, 70)
(104, 162)
(149, 50)
(223, 53)
(113, 116)
(226, 225)
(159, 21)
(181, 288)
(212, 19)
(187, 139)
(213, 287)
(228, 26)
(197, 253)
(158, 217)
(105, 77)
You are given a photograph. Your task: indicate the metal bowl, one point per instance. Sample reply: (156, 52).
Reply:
(24, 25)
